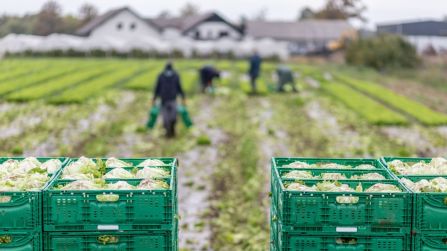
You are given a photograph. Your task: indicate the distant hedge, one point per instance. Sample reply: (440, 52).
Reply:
(381, 52)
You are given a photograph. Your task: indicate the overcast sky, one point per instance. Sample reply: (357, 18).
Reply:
(378, 10)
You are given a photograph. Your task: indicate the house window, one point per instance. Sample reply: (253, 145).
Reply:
(197, 35)
(119, 26)
(133, 26)
(223, 34)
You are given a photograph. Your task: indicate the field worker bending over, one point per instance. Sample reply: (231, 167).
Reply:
(255, 70)
(285, 76)
(207, 75)
(168, 88)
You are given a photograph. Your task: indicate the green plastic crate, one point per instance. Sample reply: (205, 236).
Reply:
(297, 241)
(154, 240)
(133, 210)
(430, 209)
(347, 173)
(385, 160)
(320, 212)
(280, 162)
(22, 211)
(20, 241)
(430, 242)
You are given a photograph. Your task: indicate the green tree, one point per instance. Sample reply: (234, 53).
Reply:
(87, 12)
(342, 9)
(306, 13)
(49, 19)
(382, 52)
(189, 9)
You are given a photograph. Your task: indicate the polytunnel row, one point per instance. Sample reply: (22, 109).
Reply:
(17, 43)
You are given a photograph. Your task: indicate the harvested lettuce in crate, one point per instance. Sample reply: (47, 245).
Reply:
(118, 173)
(437, 166)
(436, 185)
(28, 174)
(114, 162)
(151, 173)
(151, 162)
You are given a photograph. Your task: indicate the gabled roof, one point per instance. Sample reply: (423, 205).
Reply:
(296, 31)
(185, 24)
(416, 28)
(93, 24)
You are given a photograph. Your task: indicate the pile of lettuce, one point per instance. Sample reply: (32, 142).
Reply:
(28, 174)
(301, 175)
(437, 166)
(436, 185)
(91, 175)
(335, 186)
(304, 165)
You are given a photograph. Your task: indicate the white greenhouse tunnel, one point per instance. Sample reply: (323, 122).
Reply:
(166, 44)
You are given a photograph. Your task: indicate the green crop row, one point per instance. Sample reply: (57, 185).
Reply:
(371, 110)
(417, 110)
(35, 78)
(144, 81)
(96, 86)
(190, 81)
(48, 88)
(20, 71)
(261, 86)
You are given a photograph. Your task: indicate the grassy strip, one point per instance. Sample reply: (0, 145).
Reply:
(261, 86)
(35, 78)
(94, 87)
(48, 88)
(371, 110)
(419, 111)
(17, 72)
(190, 81)
(239, 220)
(145, 81)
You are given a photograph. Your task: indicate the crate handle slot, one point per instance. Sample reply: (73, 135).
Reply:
(108, 239)
(444, 240)
(346, 241)
(347, 199)
(107, 197)
(5, 239)
(5, 199)
(445, 201)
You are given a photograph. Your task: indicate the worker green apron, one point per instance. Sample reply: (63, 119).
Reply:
(181, 109)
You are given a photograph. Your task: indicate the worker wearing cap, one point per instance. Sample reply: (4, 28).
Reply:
(168, 88)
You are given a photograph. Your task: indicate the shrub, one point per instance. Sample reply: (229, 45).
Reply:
(381, 52)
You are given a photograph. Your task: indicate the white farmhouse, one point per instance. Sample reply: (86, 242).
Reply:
(125, 24)
(208, 26)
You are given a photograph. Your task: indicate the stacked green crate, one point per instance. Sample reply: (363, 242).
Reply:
(356, 219)
(429, 208)
(21, 211)
(104, 218)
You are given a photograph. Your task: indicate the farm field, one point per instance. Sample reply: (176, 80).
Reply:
(98, 107)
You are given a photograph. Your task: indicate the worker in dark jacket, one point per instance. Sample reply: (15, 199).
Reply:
(255, 70)
(168, 88)
(207, 75)
(285, 76)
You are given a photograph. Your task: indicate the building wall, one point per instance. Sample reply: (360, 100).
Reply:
(423, 42)
(213, 31)
(124, 25)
